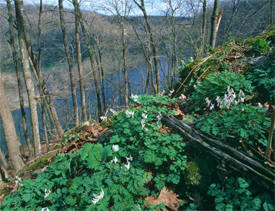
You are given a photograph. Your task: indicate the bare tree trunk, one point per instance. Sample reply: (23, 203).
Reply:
(101, 75)
(79, 62)
(28, 76)
(91, 55)
(146, 49)
(175, 55)
(174, 58)
(214, 21)
(236, 5)
(46, 95)
(3, 166)
(17, 68)
(9, 130)
(152, 43)
(123, 42)
(40, 81)
(203, 29)
(69, 60)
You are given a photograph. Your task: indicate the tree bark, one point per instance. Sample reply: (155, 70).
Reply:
(3, 166)
(101, 74)
(46, 95)
(214, 21)
(152, 43)
(9, 130)
(69, 60)
(79, 62)
(124, 56)
(40, 84)
(28, 76)
(146, 49)
(203, 29)
(91, 55)
(16, 62)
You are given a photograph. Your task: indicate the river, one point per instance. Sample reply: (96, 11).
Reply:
(137, 80)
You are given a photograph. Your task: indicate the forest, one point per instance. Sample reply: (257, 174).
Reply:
(137, 105)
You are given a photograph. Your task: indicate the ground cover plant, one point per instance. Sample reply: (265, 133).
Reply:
(139, 160)
(136, 162)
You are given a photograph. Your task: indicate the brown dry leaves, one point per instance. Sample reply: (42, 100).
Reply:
(90, 134)
(169, 198)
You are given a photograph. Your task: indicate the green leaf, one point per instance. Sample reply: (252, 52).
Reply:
(95, 156)
(27, 197)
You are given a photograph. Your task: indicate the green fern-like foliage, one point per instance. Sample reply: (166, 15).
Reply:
(236, 194)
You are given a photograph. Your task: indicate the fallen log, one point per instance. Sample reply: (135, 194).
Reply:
(234, 159)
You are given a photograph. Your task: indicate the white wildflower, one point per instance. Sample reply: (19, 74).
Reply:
(142, 123)
(159, 116)
(162, 93)
(129, 114)
(233, 95)
(115, 160)
(103, 118)
(87, 123)
(208, 101)
(228, 89)
(45, 209)
(47, 193)
(171, 92)
(98, 197)
(115, 148)
(182, 97)
(138, 207)
(260, 105)
(134, 98)
(129, 158)
(212, 107)
(219, 102)
(241, 96)
(17, 181)
(191, 59)
(113, 111)
(144, 115)
(127, 166)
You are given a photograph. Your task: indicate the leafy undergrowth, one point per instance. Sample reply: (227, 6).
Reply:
(239, 56)
(133, 165)
(131, 161)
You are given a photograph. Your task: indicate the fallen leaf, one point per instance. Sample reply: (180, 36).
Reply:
(169, 198)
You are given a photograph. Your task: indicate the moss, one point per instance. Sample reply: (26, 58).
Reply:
(40, 163)
(192, 173)
(267, 35)
(4, 191)
(75, 132)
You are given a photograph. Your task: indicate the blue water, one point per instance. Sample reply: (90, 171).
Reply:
(64, 106)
